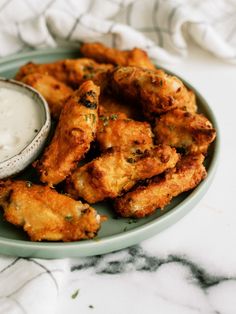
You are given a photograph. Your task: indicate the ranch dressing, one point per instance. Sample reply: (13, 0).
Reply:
(19, 122)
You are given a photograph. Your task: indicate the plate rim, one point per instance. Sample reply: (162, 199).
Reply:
(133, 236)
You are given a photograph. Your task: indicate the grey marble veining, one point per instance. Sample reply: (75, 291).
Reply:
(176, 281)
(135, 259)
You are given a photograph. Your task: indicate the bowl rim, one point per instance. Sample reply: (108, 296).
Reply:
(46, 123)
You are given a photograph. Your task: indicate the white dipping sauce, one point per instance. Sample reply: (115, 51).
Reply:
(19, 122)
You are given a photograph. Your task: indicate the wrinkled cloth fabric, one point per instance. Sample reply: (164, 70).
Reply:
(30, 285)
(163, 28)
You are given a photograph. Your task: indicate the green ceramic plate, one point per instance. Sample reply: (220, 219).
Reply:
(115, 233)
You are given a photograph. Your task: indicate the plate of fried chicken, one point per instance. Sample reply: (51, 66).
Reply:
(133, 148)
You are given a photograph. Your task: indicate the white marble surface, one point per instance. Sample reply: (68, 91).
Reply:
(190, 267)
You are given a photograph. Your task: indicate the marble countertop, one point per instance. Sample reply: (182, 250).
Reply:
(190, 267)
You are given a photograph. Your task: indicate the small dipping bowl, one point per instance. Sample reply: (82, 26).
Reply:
(15, 164)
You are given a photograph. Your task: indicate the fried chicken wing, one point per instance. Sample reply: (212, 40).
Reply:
(72, 72)
(74, 133)
(181, 129)
(157, 91)
(54, 91)
(110, 105)
(45, 214)
(117, 171)
(145, 199)
(103, 54)
(124, 133)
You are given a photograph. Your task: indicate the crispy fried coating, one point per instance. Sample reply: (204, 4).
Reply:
(157, 91)
(103, 54)
(181, 129)
(124, 133)
(110, 105)
(145, 199)
(31, 67)
(54, 91)
(191, 105)
(74, 133)
(72, 72)
(117, 171)
(45, 214)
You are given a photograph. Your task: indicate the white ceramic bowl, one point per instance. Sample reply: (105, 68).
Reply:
(20, 161)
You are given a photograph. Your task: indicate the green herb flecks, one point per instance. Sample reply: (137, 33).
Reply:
(114, 116)
(88, 76)
(28, 184)
(96, 239)
(105, 120)
(75, 294)
(131, 221)
(69, 217)
(90, 117)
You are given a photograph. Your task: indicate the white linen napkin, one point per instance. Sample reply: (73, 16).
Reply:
(30, 285)
(162, 27)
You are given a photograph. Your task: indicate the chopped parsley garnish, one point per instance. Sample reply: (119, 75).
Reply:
(75, 294)
(88, 76)
(68, 217)
(90, 116)
(28, 184)
(105, 120)
(114, 116)
(131, 221)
